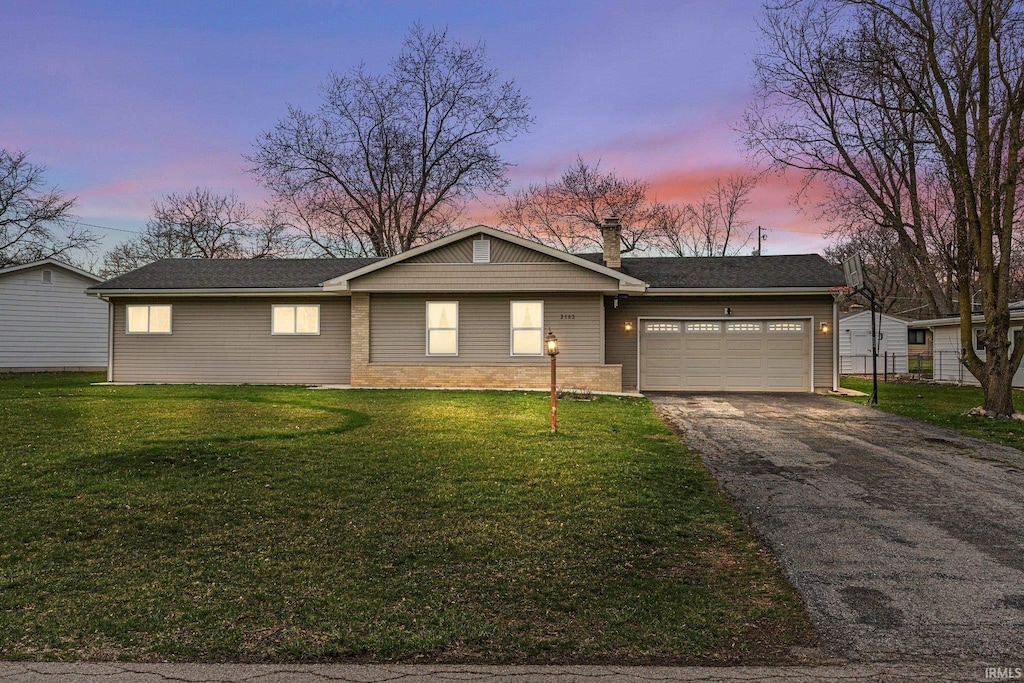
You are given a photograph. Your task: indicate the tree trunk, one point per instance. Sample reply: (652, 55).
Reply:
(999, 389)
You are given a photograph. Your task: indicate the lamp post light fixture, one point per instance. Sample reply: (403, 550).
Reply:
(551, 347)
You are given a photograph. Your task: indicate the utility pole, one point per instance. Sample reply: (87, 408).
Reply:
(762, 235)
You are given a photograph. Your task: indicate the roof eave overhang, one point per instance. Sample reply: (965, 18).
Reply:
(210, 291)
(738, 291)
(53, 263)
(626, 283)
(955, 320)
(851, 316)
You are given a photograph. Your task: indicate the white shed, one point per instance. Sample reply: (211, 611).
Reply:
(47, 322)
(855, 343)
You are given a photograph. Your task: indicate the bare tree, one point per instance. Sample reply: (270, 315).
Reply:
(885, 270)
(886, 262)
(203, 224)
(825, 108)
(568, 212)
(387, 161)
(35, 221)
(879, 95)
(711, 226)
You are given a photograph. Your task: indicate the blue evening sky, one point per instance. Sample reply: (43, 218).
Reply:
(127, 101)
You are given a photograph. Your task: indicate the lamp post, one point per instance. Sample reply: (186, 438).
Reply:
(551, 346)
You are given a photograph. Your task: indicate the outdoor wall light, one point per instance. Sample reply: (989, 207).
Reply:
(629, 326)
(824, 328)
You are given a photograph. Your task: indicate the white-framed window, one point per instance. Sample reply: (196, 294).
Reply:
(527, 338)
(665, 327)
(743, 327)
(151, 319)
(916, 337)
(442, 328)
(295, 319)
(979, 341)
(786, 326)
(47, 277)
(703, 327)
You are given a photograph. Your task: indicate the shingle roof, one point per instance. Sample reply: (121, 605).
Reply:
(234, 273)
(732, 272)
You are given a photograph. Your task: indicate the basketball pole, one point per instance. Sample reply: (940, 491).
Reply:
(873, 398)
(853, 271)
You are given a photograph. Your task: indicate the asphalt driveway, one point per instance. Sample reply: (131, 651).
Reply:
(906, 540)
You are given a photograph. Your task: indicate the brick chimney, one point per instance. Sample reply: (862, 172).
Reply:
(611, 237)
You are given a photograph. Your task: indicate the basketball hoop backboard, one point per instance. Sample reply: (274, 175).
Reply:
(854, 272)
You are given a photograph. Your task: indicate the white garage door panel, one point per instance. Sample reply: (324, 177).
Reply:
(787, 364)
(663, 363)
(743, 340)
(786, 384)
(743, 384)
(703, 364)
(755, 355)
(698, 385)
(740, 363)
(788, 343)
(702, 343)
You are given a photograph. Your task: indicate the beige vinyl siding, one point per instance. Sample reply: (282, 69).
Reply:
(398, 328)
(227, 339)
(479, 277)
(502, 251)
(506, 252)
(621, 346)
(50, 326)
(920, 349)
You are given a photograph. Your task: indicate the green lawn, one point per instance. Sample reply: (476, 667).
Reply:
(277, 523)
(943, 405)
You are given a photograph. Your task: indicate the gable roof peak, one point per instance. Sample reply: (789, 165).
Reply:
(52, 262)
(626, 282)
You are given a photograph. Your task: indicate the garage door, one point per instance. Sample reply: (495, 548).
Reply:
(725, 355)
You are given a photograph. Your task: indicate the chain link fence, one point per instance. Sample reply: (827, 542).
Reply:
(942, 366)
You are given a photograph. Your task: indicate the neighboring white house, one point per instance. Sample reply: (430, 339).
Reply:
(47, 322)
(946, 345)
(855, 343)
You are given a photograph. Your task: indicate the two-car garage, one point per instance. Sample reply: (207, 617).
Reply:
(726, 354)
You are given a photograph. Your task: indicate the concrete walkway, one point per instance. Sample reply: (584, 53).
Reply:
(14, 672)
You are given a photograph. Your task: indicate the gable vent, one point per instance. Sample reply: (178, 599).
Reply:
(47, 277)
(481, 251)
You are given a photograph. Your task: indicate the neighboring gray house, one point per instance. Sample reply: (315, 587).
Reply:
(46, 320)
(471, 310)
(855, 343)
(946, 345)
